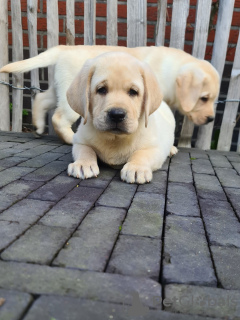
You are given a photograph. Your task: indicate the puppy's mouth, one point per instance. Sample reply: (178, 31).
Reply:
(117, 130)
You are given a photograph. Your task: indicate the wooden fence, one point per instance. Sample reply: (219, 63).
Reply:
(136, 36)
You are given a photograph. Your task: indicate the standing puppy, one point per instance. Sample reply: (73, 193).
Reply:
(125, 121)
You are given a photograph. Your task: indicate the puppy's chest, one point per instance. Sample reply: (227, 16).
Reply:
(114, 152)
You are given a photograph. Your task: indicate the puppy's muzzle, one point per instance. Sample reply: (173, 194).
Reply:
(116, 115)
(209, 119)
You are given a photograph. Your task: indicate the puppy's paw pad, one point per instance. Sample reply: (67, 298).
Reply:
(132, 173)
(173, 151)
(83, 170)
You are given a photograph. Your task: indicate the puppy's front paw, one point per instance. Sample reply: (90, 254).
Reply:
(83, 169)
(173, 151)
(132, 173)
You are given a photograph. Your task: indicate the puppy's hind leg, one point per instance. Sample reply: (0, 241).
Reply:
(62, 122)
(43, 102)
(174, 150)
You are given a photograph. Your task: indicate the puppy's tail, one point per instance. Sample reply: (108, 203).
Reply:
(44, 59)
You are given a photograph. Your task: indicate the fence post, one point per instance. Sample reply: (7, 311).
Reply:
(231, 108)
(136, 23)
(17, 55)
(70, 28)
(89, 22)
(32, 6)
(52, 40)
(199, 48)
(218, 60)
(4, 91)
(112, 33)
(179, 23)
(161, 22)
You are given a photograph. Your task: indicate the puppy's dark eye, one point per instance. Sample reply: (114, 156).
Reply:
(132, 93)
(102, 90)
(204, 99)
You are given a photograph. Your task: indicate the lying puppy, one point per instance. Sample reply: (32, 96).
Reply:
(188, 84)
(119, 97)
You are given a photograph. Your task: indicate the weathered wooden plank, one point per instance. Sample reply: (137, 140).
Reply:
(32, 6)
(161, 22)
(89, 22)
(70, 26)
(224, 20)
(4, 91)
(199, 48)
(136, 23)
(17, 54)
(112, 33)
(52, 40)
(231, 108)
(179, 23)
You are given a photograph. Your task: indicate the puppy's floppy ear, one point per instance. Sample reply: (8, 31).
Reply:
(78, 94)
(189, 84)
(152, 93)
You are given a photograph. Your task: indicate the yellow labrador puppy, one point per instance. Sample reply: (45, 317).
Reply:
(119, 97)
(188, 84)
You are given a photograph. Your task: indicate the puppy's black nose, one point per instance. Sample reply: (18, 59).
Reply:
(209, 119)
(116, 114)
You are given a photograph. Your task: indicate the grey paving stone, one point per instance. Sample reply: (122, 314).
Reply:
(222, 225)
(181, 188)
(186, 254)
(198, 154)
(208, 187)
(205, 301)
(62, 308)
(136, 256)
(236, 166)
(233, 195)
(70, 211)
(55, 189)
(26, 211)
(10, 231)
(234, 158)
(6, 153)
(67, 158)
(157, 185)
(15, 304)
(7, 145)
(41, 160)
(33, 151)
(63, 149)
(47, 172)
(11, 162)
(220, 161)
(182, 204)
(38, 245)
(201, 167)
(91, 245)
(145, 216)
(181, 158)
(118, 194)
(82, 284)
(16, 191)
(12, 174)
(228, 177)
(227, 262)
(103, 179)
(180, 173)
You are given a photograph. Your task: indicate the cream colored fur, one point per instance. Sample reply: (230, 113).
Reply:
(140, 142)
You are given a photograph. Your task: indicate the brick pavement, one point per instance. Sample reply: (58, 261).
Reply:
(103, 249)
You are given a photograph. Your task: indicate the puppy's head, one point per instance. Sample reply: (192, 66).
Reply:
(115, 91)
(197, 88)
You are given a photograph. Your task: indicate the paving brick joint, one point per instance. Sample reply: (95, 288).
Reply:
(104, 249)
